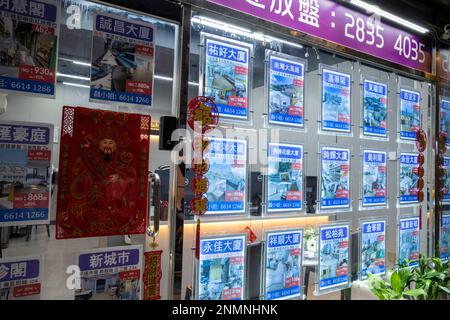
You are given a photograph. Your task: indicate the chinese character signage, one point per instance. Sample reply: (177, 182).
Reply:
(25, 172)
(446, 188)
(409, 114)
(152, 275)
(444, 242)
(29, 47)
(373, 248)
(285, 178)
(103, 173)
(445, 119)
(333, 257)
(226, 77)
(409, 241)
(221, 274)
(286, 91)
(227, 176)
(335, 101)
(375, 109)
(374, 178)
(343, 25)
(409, 176)
(335, 178)
(122, 60)
(112, 273)
(283, 265)
(20, 278)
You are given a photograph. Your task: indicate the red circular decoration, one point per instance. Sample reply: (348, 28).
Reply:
(204, 111)
(442, 140)
(200, 168)
(421, 140)
(420, 196)
(420, 183)
(420, 172)
(199, 185)
(199, 206)
(421, 159)
(200, 145)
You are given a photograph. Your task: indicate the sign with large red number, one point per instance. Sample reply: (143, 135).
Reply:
(28, 63)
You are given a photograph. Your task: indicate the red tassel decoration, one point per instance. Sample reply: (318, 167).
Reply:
(197, 239)
(420, 217)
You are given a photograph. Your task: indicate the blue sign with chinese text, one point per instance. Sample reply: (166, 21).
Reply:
(409, 178)
(336, 101)
(226, 77)
(227, 176)
(409, 114)
(333, 257)
(375, 109)
(286, 92)
(109, 259)
(285, 177)
(335, 186)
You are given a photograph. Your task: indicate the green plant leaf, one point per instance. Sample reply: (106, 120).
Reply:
(445, 289)
(396, 283)
(415, 293)
(405, 276)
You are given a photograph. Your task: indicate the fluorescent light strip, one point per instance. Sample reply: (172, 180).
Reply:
(75, 84)
(297, 45)
(221, 25)
(163, 78)
(72, 76)
(87, 64)
(171, 79)
(377, 10)
(240, 31)
(87, 79)
(81, 63)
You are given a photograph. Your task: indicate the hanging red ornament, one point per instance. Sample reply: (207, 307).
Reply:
(203, 111)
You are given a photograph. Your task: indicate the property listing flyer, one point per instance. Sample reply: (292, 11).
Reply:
(227, 176)
(122, 60)
(25, 172)
(374, 178)
(221, 273)
(286, 92)
(20, 278)
(409, 114)
(373, 248)
(29, 44)
(444, 241)
(409, 242)
(446, 179)
(409, 176)
(336, 101)
(226, 77)
(285, 177)
(112, 273)
(333, 257)
(375, 109)
(283, 270)
(445, 119)
(335, 178)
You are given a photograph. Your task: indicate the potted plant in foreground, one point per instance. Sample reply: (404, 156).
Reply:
(429, 280)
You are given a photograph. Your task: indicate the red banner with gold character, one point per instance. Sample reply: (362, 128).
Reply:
(152, 275)
(103, 173)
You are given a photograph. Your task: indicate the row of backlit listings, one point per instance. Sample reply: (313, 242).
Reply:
(126, 273)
